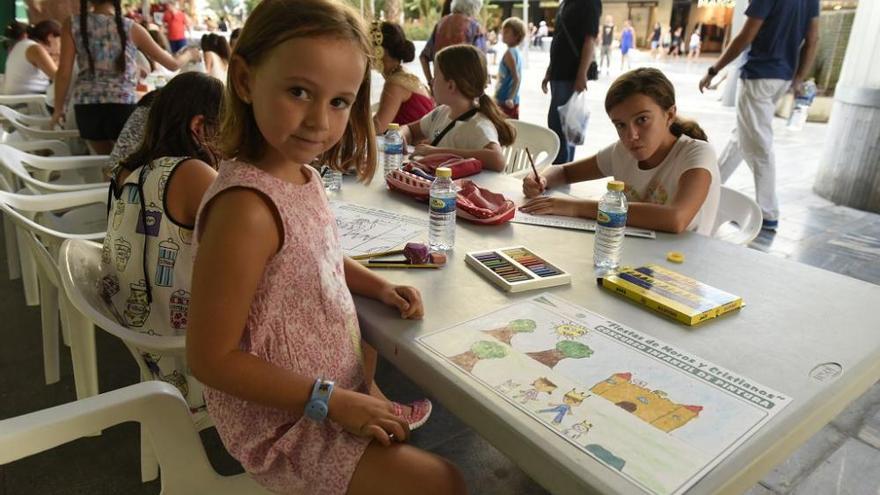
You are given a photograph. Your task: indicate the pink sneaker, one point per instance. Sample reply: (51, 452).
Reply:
(421, 411)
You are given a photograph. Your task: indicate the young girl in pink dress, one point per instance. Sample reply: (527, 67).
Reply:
(273, 332)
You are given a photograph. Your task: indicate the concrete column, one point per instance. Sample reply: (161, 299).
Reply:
(849, 172)
(732, 82)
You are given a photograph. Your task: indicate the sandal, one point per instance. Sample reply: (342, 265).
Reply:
(421, 411)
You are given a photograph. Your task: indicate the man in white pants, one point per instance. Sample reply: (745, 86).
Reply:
(781, 36)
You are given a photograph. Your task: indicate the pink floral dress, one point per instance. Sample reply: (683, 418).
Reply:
(302, 318)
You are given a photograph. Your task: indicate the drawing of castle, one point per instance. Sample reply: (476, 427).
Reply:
(651, 406)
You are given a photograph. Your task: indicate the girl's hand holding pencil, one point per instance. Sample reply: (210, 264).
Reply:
(367, 416)
(533, 187)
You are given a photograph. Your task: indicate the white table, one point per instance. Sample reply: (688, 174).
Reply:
(797, 318)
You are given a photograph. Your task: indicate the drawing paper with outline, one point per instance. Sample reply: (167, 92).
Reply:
(659, 415)
(364, 230)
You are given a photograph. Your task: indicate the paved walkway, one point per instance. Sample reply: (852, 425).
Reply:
(841, 458)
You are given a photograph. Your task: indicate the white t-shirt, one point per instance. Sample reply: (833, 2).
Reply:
(659, 185)
(23, 77)
(473, 134)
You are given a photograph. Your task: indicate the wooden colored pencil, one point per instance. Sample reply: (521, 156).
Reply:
(532, 163)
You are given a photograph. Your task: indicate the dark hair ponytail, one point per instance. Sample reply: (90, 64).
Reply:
(488, 107)
(15, 32)
(84, 32)
(123, 39)
(466, 67)
(395, 43)
(653, 84)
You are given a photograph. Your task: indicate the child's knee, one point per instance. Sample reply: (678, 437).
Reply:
(446, 478)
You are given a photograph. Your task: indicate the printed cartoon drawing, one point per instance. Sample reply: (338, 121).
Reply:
(571, 399)
(483, 349)
(606, 456)
(106, 251)
(566, 349)
(505, 334)
(168, 250)
(152, 362)
(652, 407)
(570, 330)
(123, 253)
(163, 181)
(178, 309)
(507, 387)
(133, 196)
(577, 430)
(544, 300)
(153, 217)
(541, 384)
(109, 286)
(118, 214)
(137, 309)
(186, 235)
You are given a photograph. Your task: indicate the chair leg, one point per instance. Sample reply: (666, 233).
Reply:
(82, 352)
(149, 462)
(49, 320)
(28, 272)
(13, 264)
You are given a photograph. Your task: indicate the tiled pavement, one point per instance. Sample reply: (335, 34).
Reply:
(841, 458)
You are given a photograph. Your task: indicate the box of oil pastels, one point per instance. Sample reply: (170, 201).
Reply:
(516, 269)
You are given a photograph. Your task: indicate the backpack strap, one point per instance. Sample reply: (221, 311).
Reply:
(461, 118)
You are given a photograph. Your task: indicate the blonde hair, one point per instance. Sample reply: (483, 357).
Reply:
(466, 67)
(653, 84)
(273, 22)
(516, 26)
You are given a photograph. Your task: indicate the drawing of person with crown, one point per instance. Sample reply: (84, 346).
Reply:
(571, 399)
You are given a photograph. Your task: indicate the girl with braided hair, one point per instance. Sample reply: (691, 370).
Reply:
(104, 45)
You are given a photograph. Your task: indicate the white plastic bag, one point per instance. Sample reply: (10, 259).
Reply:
(574, 116)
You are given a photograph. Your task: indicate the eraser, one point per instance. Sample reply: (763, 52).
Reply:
(675, 256)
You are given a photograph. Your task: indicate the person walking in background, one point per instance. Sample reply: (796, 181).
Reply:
(176, 25)
(656, 36)
(510, 70)
(695, 42)
(607, 40)
(461, 26)
(675, 42)
(782, 38)
(627, 41)
(543, 31)
(571, 53)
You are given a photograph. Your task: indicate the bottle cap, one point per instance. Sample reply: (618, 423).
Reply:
(445, 172)
(393, 127)
(675, 257)
(615, 185)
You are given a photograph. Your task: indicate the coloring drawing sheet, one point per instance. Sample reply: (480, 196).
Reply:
(574, 223)
(658, 415)
(364, 230)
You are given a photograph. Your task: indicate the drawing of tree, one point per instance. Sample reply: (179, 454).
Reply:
(483, 349)
(506, 333)
(566, 349)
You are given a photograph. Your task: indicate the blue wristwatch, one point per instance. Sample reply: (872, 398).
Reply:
(316, 408)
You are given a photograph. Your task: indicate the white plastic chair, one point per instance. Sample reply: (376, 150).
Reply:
(35, 103)
(160, 410)
(738, 219)
(541, 142)
(32, 127)
(42, 243)
(80, 265)
(33, 171)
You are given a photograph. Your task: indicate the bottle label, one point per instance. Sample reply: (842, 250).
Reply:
(611, 220)
(393, 149)
(442, 205)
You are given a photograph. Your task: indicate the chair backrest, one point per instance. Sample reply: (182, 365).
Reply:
(34, 127)
(20, 207)
(80, 265)
(16, 162)
(35, 103)
(541, 142)
(738, 219)
(157, 406)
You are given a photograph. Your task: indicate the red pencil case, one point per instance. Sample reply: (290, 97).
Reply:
(473, 203)
(460, 166)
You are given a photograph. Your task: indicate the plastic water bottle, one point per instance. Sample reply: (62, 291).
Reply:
(332, 179)
(801, 108)
(393, 149)
(610, 226)
(441, 229)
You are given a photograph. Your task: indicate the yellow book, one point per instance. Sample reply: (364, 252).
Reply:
(672, 294)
